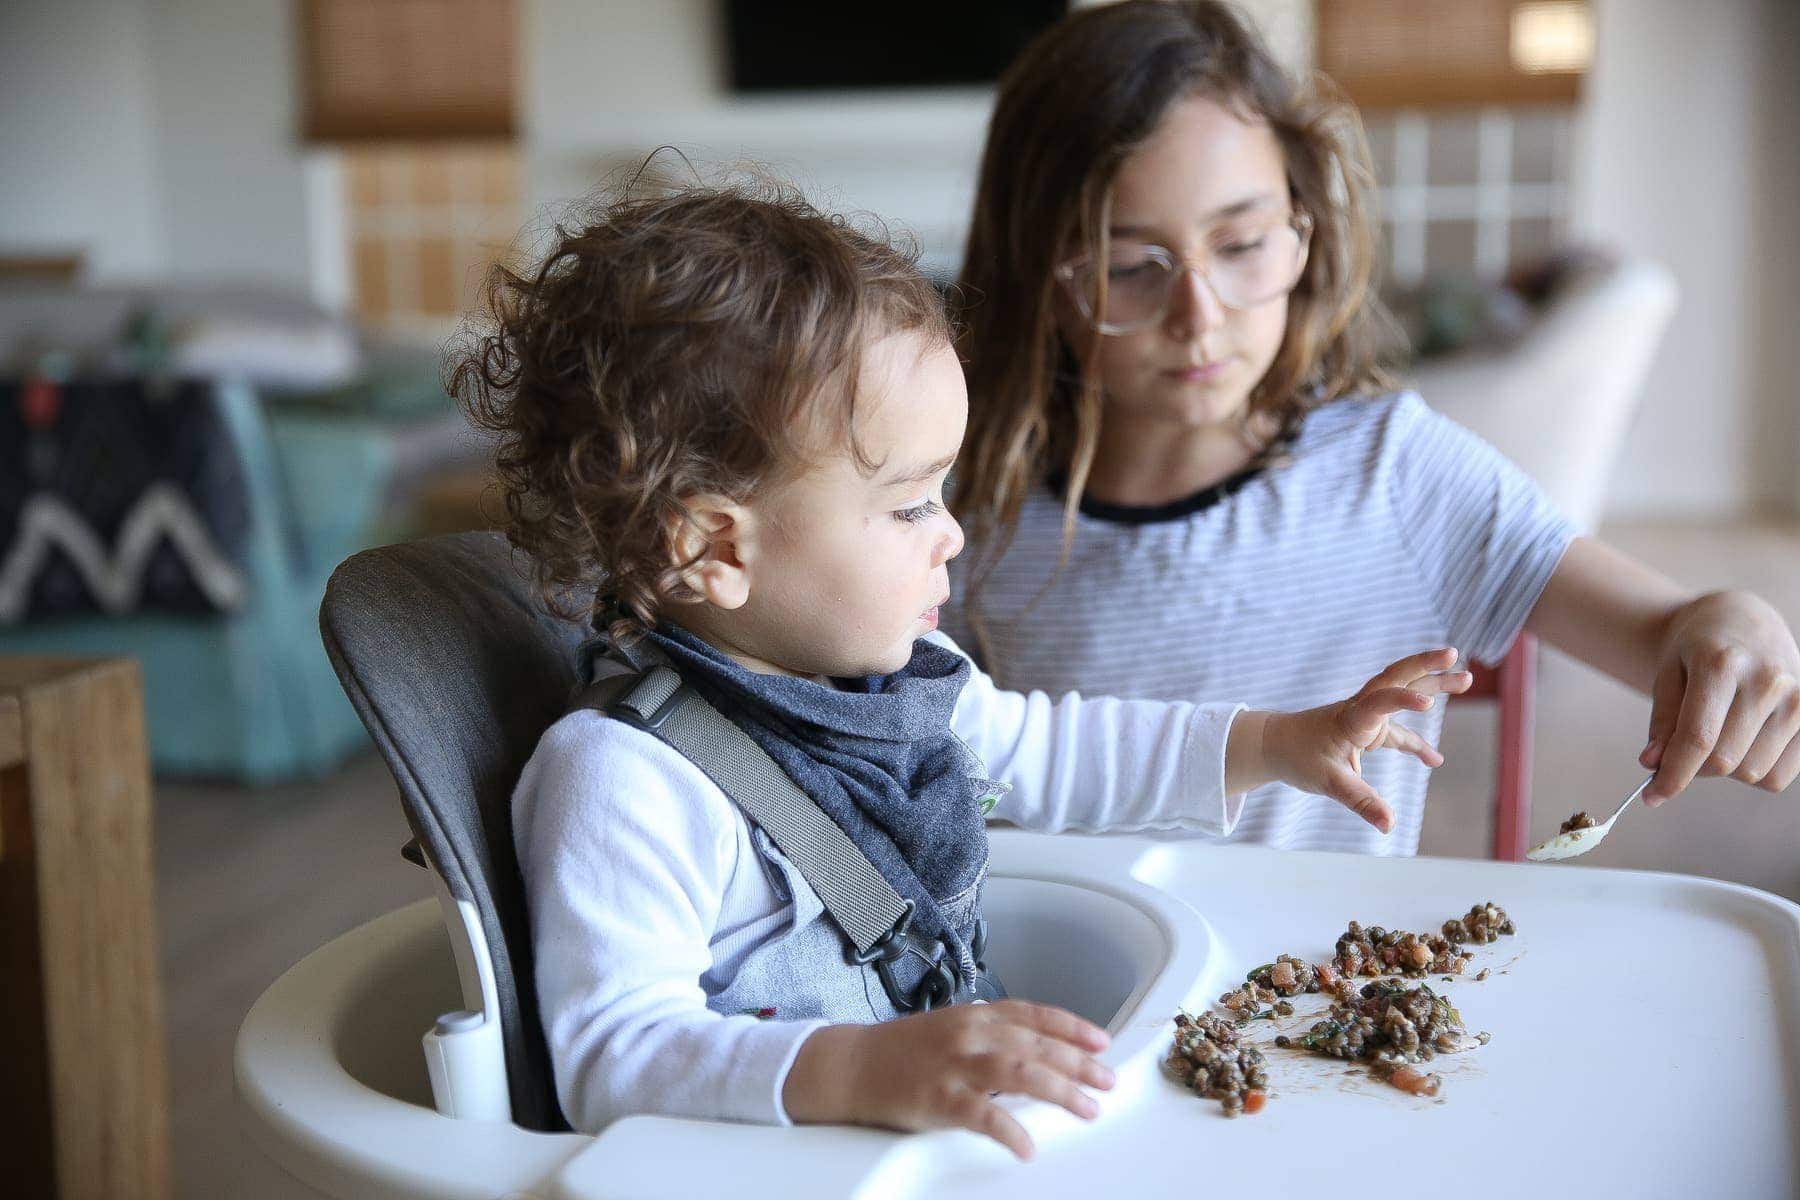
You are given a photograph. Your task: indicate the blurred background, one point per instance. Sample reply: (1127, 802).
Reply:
(235, 233)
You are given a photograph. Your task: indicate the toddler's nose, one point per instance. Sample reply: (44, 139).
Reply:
(949, 545)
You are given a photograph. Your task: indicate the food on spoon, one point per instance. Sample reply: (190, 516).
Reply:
(1579, 821)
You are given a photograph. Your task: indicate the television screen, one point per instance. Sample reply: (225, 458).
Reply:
(788, 45)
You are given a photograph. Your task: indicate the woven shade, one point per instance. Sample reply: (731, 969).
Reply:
(1438, 53)
(386, 69)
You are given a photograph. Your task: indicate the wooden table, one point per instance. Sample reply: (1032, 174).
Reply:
(83, 1076)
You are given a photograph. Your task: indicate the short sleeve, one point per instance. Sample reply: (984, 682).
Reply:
(1485, 537)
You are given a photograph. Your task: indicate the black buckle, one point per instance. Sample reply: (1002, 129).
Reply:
(936, 988)
(649, 722)
(889, 946)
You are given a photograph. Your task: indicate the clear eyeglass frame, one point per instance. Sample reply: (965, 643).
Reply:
(1068, 273)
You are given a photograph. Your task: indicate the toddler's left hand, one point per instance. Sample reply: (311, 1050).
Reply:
(1320, 750)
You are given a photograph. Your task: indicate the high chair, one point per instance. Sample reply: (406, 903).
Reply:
(405, 1058)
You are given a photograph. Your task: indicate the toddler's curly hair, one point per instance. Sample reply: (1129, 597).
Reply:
(703, 340)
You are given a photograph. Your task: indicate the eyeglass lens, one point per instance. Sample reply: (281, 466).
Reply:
(1140, 277)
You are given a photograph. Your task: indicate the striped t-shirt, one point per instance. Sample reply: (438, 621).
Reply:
(1387, 530)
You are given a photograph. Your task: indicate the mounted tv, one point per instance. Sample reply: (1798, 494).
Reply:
(801, 45)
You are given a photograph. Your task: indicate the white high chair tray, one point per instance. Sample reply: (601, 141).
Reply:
(1646, 1041)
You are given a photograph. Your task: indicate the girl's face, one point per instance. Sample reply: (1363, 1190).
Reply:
(842, 569)
(1206, 183)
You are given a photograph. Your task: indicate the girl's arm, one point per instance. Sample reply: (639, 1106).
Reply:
(1722, 670)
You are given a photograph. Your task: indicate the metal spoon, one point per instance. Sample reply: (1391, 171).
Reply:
(1580, 841)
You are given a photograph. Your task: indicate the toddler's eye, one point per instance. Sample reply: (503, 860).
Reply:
(918, 512)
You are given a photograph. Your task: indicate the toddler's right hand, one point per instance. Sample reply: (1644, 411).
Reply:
(1320, 749)
(939, 1070)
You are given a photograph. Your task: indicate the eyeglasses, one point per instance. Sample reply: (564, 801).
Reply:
(1132, 289)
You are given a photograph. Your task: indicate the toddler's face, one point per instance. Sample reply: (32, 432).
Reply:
(848, 568)
(1206, 182)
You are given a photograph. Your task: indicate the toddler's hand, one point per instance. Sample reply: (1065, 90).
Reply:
(939, 1070)
(1320, 750)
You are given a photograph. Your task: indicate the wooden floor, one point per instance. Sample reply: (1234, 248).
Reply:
(251, 881)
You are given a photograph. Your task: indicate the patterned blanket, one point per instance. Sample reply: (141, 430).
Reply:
(117, 498)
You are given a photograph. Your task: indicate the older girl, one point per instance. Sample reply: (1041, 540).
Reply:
(1187, 476)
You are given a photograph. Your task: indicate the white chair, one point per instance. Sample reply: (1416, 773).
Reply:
(1559, 400)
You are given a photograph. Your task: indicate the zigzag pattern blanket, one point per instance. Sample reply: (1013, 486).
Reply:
(117, 498)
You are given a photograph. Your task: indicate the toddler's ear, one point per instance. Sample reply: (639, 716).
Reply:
(711, 544)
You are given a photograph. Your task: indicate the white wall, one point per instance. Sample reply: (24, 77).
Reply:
(1687, 130)
(228, 139)
(158, 136)
(609, 80)
(78, 168)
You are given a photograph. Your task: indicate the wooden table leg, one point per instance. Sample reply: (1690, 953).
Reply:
(83, 1074)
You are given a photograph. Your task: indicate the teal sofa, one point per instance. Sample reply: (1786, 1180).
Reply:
(248, 693)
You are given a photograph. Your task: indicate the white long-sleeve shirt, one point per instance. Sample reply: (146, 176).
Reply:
(643, 882)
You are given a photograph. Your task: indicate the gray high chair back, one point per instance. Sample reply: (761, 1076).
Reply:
(456, 669)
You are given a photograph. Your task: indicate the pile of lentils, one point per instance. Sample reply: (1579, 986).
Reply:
(1270, 983)
(1388, 1024)
(1376, 951)
(1391, 1026)
(1483, 923)
(1208, 1057)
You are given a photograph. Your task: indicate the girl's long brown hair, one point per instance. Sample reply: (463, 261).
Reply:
(1077, 102)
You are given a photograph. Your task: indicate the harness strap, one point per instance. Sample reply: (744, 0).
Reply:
(872, 915)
